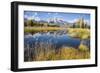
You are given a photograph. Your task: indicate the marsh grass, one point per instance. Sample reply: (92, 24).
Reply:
(82, 33)
(65, 53)
(83, 48)
(41, 29)
(72, 53)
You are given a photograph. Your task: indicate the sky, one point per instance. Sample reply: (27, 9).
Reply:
(69, 17)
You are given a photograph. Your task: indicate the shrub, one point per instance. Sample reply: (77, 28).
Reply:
(83, 48)
(79, 33)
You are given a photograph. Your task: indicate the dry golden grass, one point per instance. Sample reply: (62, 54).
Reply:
(71, 53)
(82, 33)
(42, 29)
(66, 53)
(83, 47)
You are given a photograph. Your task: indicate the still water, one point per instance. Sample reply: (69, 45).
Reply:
(57, 39)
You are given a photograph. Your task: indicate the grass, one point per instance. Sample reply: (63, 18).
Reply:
(72, 53)
(64, 53)
(83, 48)
(41, 29)
(82, 33)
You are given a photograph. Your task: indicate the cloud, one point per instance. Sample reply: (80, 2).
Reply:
(35, 13)
(87, 21)
(74, 20)
(25, 16)
(37, 18)
(56, 13)
(71, 21)
(28, 17)
(32, 17)
(49, 13)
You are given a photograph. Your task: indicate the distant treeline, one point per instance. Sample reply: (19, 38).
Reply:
(82, 26)
(43, 23)
(35, 23)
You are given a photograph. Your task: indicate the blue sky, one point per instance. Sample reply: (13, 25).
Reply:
(69, 17)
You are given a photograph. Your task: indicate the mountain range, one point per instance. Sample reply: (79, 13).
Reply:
(53, 21)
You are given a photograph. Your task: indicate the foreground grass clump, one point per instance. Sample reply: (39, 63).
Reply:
(48, 56)
(47, 51)
(65, 53)
(79, 33)
(83, 48)
(72, 53)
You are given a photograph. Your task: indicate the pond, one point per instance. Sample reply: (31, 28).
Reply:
(57, 39)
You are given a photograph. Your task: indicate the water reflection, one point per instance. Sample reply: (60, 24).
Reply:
(58, 38)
